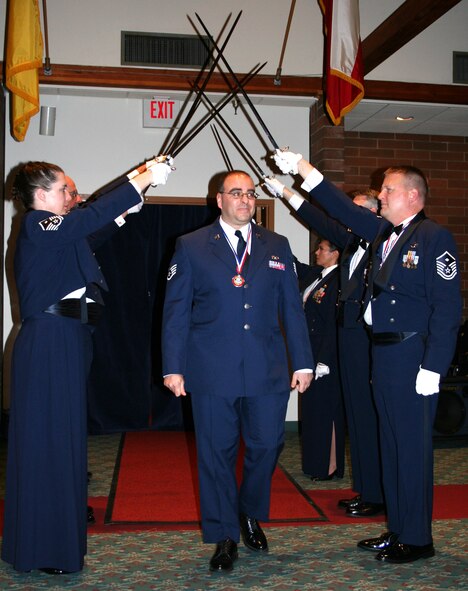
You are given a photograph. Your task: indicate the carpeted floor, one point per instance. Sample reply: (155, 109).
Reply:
(156, 481)
(300, 558)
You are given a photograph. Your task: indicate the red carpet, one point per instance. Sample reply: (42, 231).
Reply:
(155, 486)
(450, 502)
(156, 483)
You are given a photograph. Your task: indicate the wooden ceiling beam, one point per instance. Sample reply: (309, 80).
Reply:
(403, 25)
(153, 80)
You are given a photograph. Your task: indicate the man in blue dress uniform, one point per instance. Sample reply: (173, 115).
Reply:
(354, 348)
(225, 311)
(413, 310)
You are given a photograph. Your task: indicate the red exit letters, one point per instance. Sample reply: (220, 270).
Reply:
(161, 109)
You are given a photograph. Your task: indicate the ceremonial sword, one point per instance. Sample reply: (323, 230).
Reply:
(170, 149)
(232, 135)
(241, 88)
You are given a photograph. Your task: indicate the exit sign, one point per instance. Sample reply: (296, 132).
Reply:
(160, 112)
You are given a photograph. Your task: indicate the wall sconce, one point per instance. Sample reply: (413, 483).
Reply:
(47, 121)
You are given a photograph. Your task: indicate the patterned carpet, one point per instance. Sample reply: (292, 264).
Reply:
(300, 558)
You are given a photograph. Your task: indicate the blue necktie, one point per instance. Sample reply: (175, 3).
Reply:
(240, 244)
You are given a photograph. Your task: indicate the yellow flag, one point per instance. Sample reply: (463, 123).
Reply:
(24, 51)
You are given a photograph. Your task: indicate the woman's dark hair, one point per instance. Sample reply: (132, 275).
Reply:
(32, 176)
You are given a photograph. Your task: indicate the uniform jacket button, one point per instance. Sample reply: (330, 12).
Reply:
(246, 326)
(247, 306)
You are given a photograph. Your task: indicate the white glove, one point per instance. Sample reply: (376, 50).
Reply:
(136, 208)
(274, 186)
(321, 370)
(160, 172)
(287, 161)
(427, 382)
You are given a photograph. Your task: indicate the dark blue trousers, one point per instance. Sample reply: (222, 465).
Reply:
(406, 420)
(219, 424)
(361, 413)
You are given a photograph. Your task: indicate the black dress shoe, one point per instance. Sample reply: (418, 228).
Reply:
(364, 509)
(323, 478)
(224, 556)
(252, 534)
(91, 518)
(399, 553)
(54, 571)
(345, 503)
(384, 541)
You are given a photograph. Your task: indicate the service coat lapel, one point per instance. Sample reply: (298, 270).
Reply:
(258, 250)
(220, 246)
(347, 255)
(383, 275)
(350, 284)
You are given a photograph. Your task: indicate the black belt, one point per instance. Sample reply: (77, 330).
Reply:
(389, 338)
(88, 313)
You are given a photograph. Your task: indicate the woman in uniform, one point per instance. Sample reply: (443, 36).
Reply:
(58, 281)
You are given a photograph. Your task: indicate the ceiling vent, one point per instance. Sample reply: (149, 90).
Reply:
(460, 67)
(162, 50)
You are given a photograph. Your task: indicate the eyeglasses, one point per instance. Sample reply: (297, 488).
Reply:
(73, 194)
(239, 194)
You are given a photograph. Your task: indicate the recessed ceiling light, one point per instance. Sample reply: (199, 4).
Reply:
(401, 118)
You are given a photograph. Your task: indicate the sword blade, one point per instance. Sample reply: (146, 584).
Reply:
(241, 88)
(233, 137)
(221, 147)
(183, 143)
(178, 135)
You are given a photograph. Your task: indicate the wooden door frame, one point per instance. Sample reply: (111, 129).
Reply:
(264, 214)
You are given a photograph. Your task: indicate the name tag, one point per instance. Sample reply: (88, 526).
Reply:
(277, 265)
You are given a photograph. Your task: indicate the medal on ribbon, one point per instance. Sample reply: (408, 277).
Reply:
(238, 280)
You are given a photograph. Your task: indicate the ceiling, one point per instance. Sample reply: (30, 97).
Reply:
(403, 25)
(430, 119)
(380, 116)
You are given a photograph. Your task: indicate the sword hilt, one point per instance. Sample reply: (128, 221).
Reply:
(162, 159)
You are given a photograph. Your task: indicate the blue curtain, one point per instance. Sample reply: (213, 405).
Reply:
(125, 391)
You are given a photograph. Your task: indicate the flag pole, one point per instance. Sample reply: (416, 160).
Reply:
(277, 79)
(47, 68)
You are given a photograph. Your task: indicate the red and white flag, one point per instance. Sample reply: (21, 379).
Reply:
(344, 75)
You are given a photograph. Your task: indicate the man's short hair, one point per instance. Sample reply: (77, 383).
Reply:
(228, 174)
(414, 177)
